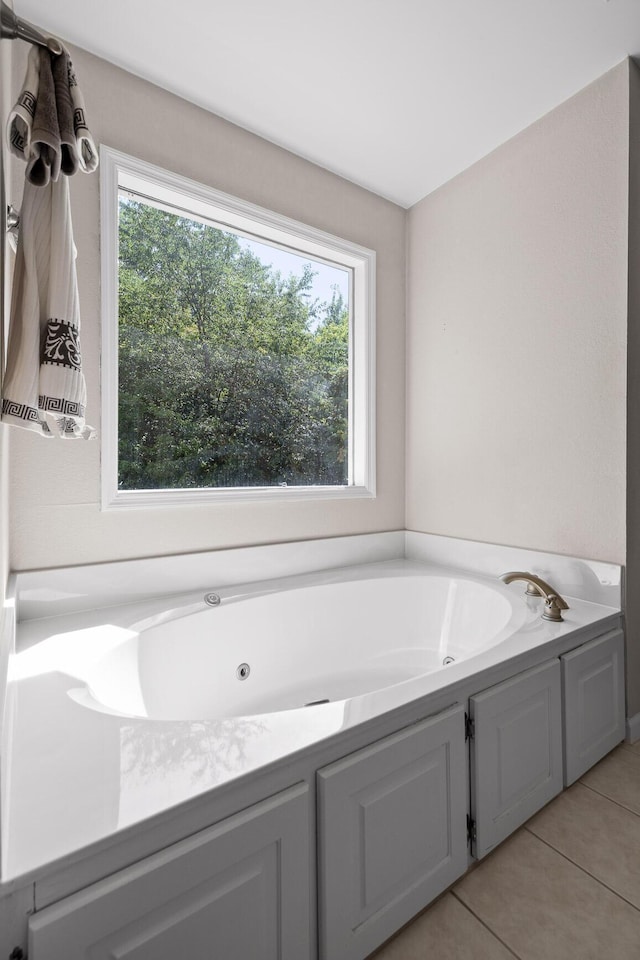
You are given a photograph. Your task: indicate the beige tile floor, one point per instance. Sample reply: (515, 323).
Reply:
(566, 886)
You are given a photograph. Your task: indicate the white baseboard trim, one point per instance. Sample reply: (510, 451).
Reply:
(632, 728)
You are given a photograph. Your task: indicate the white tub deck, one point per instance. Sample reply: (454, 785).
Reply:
(74, 776)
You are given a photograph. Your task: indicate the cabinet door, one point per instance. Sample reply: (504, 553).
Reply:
(516, 752)
(236, 891)
(392, 833)
(593, 688)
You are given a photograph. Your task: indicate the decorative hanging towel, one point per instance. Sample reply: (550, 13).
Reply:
(21, 117)
(69, 110)
(44, 387)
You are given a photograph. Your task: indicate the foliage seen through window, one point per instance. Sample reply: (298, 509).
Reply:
(231, 373)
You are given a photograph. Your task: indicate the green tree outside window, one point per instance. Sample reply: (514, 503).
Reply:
(230, 375)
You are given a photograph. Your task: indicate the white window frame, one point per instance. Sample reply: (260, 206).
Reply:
(119, 171)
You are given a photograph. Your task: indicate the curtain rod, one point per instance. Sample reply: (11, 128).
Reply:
(13, 27)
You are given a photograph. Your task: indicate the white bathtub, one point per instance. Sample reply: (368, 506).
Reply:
(136, 701)
(285, 644)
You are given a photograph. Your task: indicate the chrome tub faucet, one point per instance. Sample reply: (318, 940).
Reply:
(553, 602)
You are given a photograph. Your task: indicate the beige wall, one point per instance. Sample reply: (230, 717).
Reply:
(56, 518)
(516, 338)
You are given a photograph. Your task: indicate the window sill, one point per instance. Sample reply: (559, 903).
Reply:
(145, 499)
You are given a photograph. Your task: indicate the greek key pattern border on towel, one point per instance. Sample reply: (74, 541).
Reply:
(67, 408)
(22, 411)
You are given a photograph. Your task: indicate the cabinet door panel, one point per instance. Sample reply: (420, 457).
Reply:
(516, 755)
(239, 890)
(392, 833)
(593, 688)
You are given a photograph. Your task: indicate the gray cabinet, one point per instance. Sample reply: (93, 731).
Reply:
(391, 828)
(236, 891)
(392, 833)
(593, 691)
(516, 752)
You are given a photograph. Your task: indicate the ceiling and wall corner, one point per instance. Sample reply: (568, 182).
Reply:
(398, 96)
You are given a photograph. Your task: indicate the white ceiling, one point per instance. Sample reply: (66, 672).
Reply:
(396, 95)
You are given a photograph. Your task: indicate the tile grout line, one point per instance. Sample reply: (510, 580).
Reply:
(607, 797)
(485, 925)
(584, 870)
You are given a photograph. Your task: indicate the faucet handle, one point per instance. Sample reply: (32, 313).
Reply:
(553, 604)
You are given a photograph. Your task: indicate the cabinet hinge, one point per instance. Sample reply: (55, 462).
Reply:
(469, 727)
(471, 829)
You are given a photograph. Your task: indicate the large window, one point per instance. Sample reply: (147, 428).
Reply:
(238, 348)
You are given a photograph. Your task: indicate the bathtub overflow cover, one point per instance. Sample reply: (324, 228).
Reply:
(448, 660)
(243, 671)
(212, 599)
